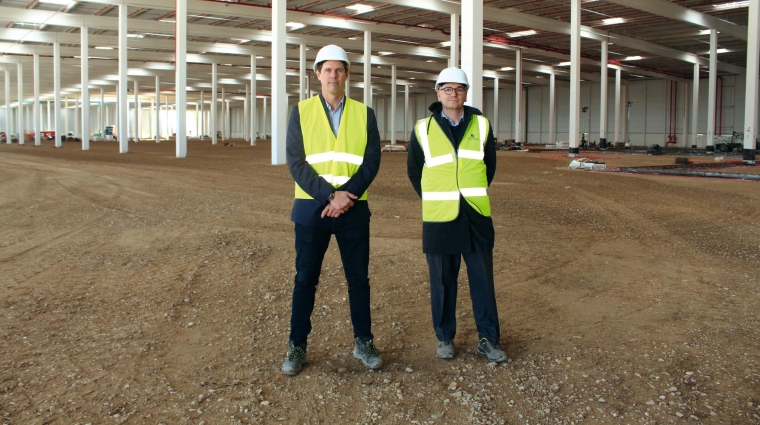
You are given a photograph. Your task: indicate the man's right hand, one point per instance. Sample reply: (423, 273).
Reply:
(341, 203)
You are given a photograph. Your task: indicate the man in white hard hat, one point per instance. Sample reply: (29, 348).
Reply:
(451, 163)
(333, 152)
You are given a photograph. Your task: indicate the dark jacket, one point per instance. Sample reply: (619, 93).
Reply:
(453, 237)
(307, 211)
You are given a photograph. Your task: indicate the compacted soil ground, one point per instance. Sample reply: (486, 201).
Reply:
(144, 289)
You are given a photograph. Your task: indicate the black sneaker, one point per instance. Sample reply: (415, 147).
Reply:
(368, 354)
(295, 360)
(492, 352)
(445, 349)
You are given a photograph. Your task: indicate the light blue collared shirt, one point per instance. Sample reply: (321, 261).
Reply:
(335, 115)
(452, 123)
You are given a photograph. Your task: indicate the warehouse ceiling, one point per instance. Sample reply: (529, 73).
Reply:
(646, 38)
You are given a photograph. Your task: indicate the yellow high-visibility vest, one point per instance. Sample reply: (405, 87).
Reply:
(335, 159)
(447, 172)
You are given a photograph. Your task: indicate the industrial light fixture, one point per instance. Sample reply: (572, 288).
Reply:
(295, 25)
(104, 47)
(507, 68)
(445, 43)
(731, 5)
(613, 21)
(135, 36)
(706, 32)
(385, 53)
(521, 33)
(361, 8)
(563, 64)
(721, 51)
(633, 58)
(60, 2)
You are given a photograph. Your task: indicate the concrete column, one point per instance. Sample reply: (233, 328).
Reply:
(407, 132)
(575, 76)
(368, 68)
(603, 98)
(246, 133)
(203, 116)
(302, 73)
(495, 120)
(76, 115)
(49, 116)
(101, 113)
(20, 68)
(8, 106)
(57, 93)
(264, 121)
(224, 115)
(254, 125)
(158, 110)
(180, 78)
(472, 49)
(121, 97)
(279, 95)
(552, 108)
(751, 97)
(518, 99)
(66, 116)
(212, 118)
(685, 128)
(711, 91)
(454, 47)
(85, 79)
(137, 112)
(393, 104)
(36, 118)
(197, 119)
(617, 104)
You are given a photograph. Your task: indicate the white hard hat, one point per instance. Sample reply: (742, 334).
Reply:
(331, 52)
(452, 75)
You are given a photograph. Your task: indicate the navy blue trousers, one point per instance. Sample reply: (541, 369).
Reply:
(311, 245)
(444, 270)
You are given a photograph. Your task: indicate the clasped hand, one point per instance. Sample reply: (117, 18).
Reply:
(341, 203)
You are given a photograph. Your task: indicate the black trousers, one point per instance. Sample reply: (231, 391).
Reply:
(444, 270)
(311, 245)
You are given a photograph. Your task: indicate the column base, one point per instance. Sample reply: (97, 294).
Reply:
(574, 152)
(603, 143)
(748, 156)
(693, 146)
(710, 149)
(518, 145)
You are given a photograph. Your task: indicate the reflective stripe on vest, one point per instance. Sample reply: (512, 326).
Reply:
(444, 179)
(335, 159)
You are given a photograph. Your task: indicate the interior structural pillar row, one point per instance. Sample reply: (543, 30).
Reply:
(393, 104)
(751, 97)
(603, 98)
(180, 79)
(518, 99)
(212, 117)
(224, 114)
(20, 115)
(101, 114)
(711, 91)
(495, 121)
(279, 71)
(254, 126)
(406, 112)
(36, 118)
(85, 80)
(7, 128)
(552, 108)
(302, 73)
(245, 112)
(575, 76)
(57, 93)
(617, 104)
(472, 50)
(367, 68)
(121, 98)
(203, 116)
(454, 46)
(137, 112)
(157, 128)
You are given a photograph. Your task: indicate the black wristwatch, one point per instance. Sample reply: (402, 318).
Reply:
(331, 197)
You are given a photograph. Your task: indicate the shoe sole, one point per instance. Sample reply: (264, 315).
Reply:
(491, 360)
(292, 372)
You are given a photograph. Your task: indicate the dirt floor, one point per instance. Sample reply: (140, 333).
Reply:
(140, 288)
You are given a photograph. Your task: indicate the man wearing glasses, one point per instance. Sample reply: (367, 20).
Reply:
(451, 163)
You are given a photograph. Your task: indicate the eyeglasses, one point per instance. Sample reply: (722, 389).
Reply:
(452, 90)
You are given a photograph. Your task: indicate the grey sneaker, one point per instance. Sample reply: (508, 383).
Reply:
(492, 352)
(295, 360)
(445, 349)
(368, 354)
